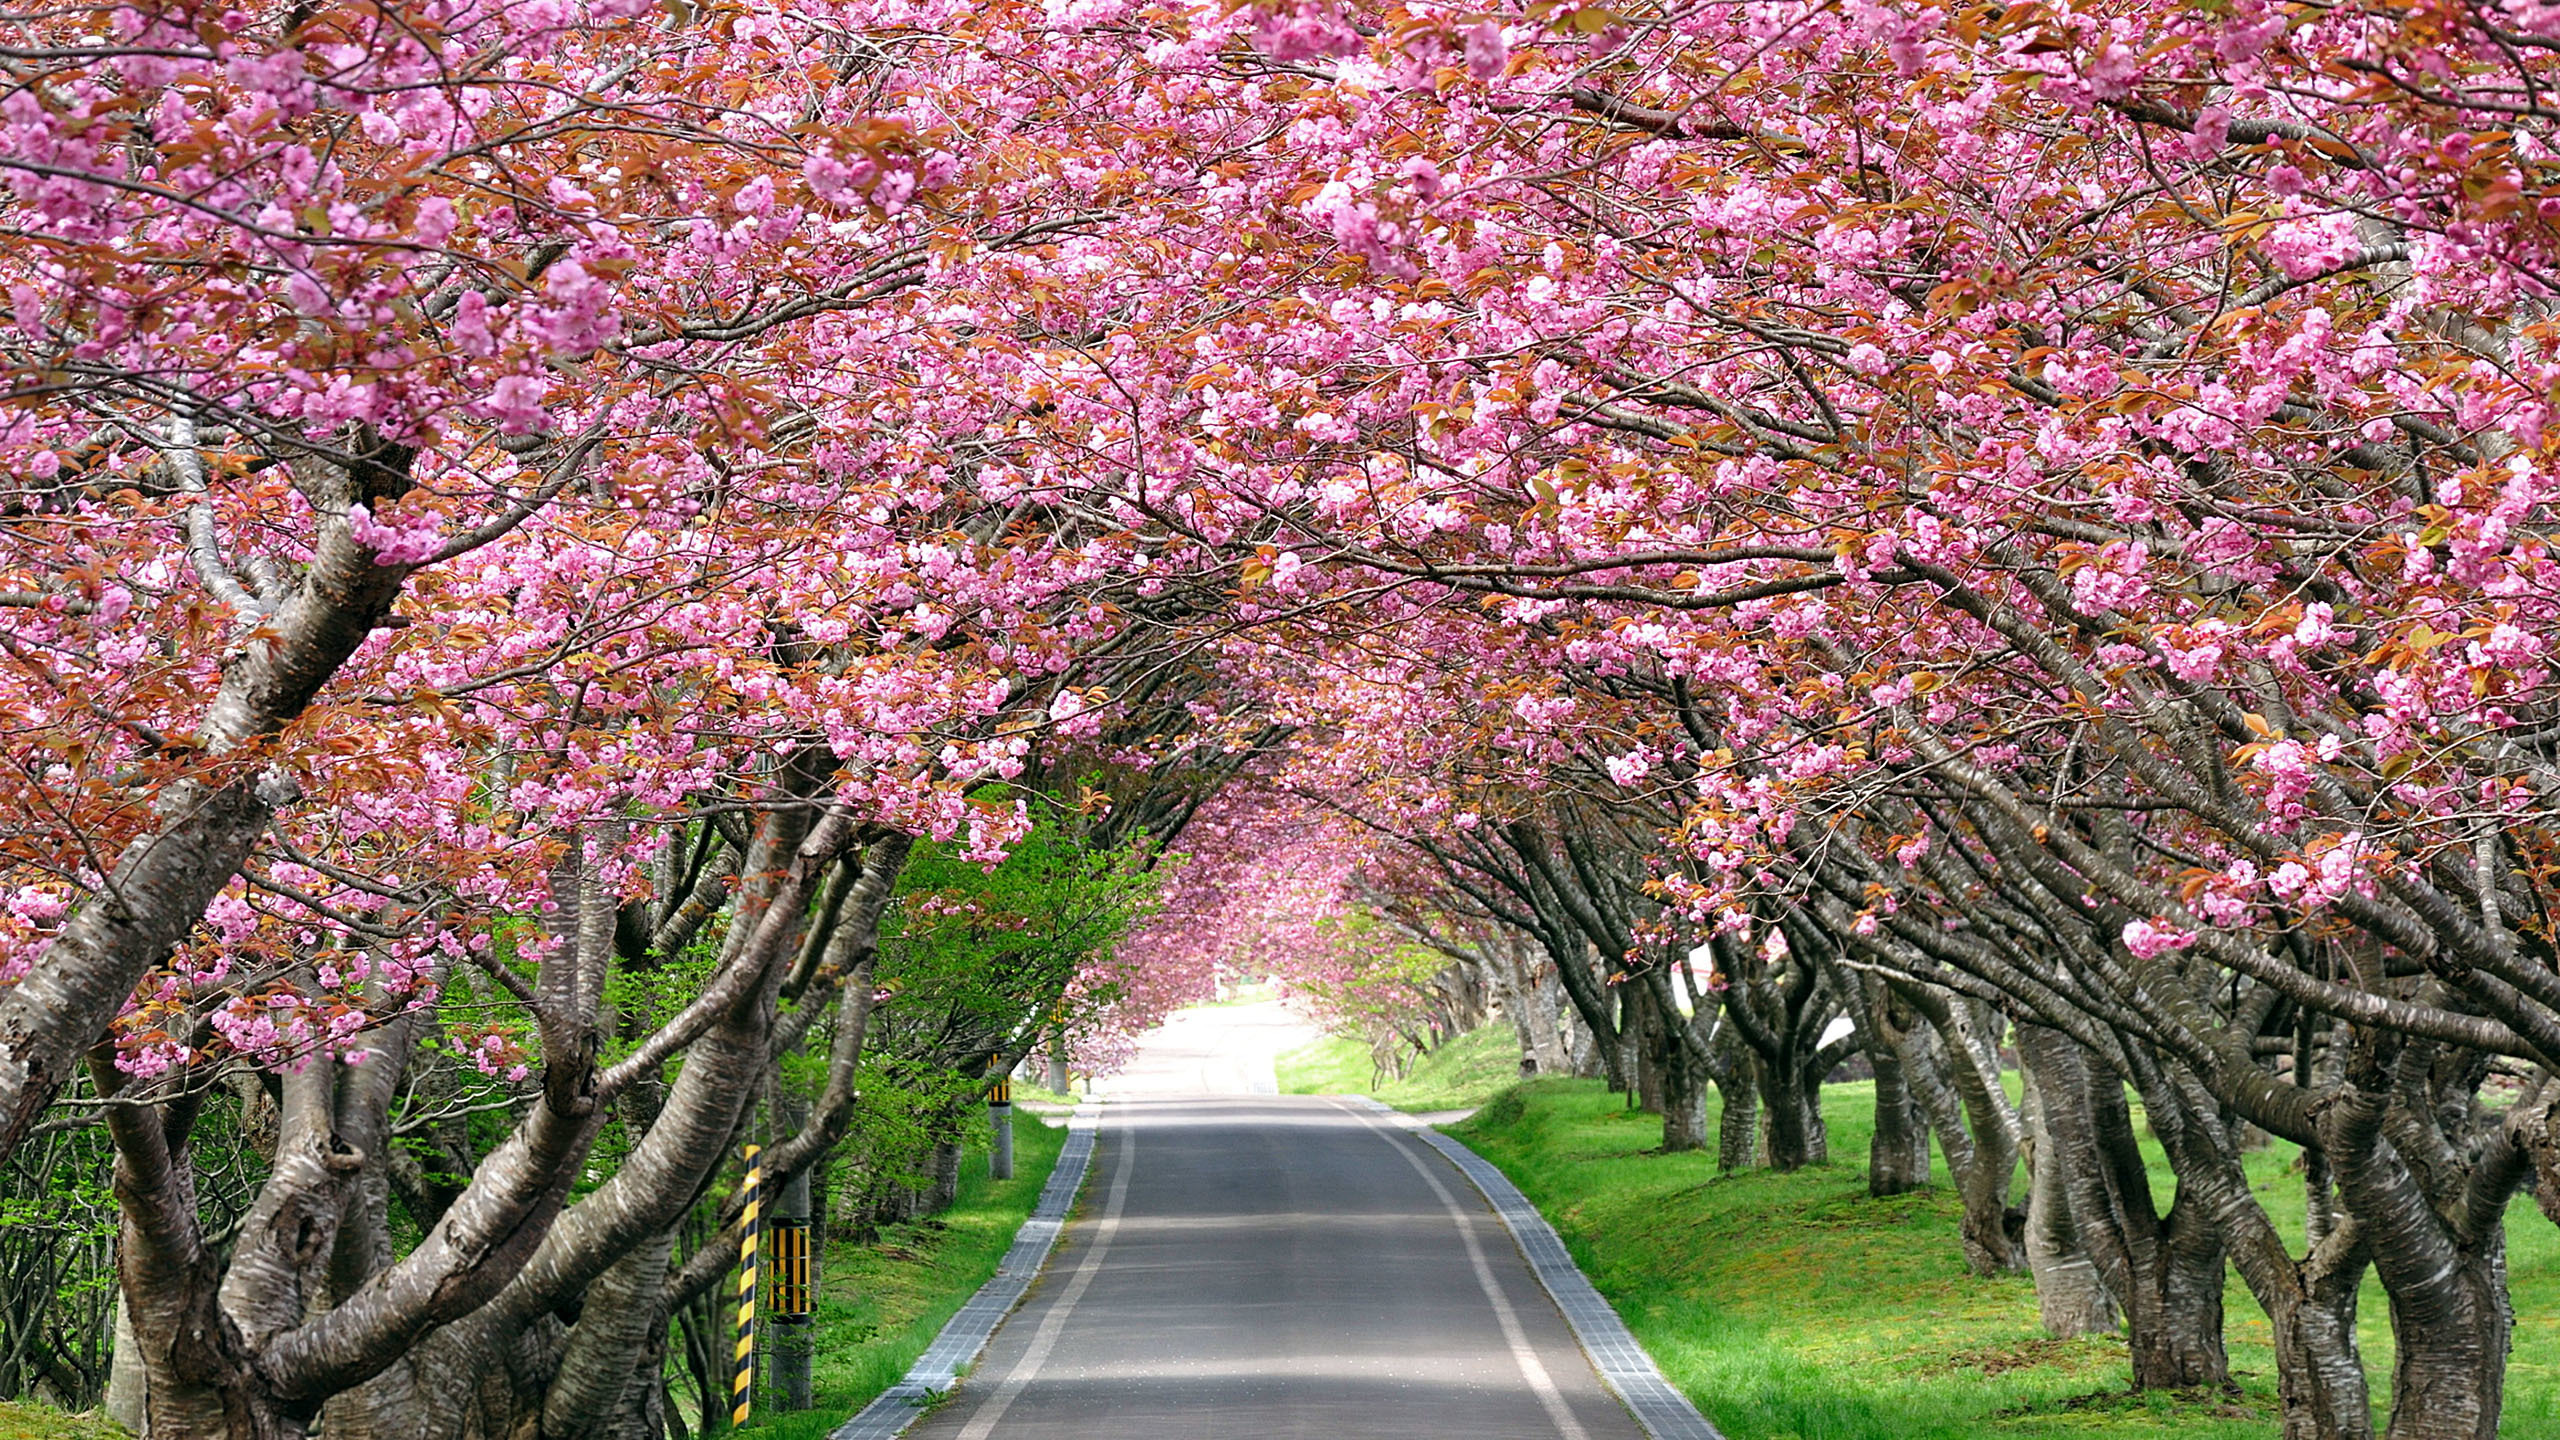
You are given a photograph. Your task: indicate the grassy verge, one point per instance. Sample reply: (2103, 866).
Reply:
(27, 1420)
(1793, 1307)
(1459, 1075)
(880, 1305)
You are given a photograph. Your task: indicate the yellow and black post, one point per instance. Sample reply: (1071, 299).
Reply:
(790, 1265)
(788, 1298)
(1000, 1116)
(742, 1384)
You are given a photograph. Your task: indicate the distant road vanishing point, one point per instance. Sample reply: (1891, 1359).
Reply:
(1251, 1264)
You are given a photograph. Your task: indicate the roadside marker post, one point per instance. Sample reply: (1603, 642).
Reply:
(742, 1383)
(790, 1298)
(790, 1266)
(1000, 1116)
(789, 1306)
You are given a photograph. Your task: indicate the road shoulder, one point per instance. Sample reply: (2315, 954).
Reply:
(1664, 1412)
(965, 1337)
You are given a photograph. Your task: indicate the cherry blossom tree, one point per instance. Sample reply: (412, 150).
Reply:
(462, 558)
(1968, 521)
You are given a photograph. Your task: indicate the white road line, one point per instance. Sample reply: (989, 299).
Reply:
(1531, 1368)
(1054, 1324)
(1660, 1410)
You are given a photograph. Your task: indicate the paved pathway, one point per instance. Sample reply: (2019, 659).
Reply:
(1258, 1265)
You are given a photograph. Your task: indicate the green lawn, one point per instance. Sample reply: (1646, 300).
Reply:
(1459, 1075)
(879, 1306)
(27, 1420)
(1795, 1308)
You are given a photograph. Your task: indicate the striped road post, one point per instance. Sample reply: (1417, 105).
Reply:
(743, 1384)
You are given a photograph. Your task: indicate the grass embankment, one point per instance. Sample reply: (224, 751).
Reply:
(880, 1305)
(27, 1420)
(1457, 1076)
(1793, 1307)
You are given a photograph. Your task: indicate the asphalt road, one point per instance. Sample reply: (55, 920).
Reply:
(1265, 1265)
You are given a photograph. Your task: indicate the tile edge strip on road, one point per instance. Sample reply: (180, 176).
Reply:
(1664, 1412)
(968, 1331)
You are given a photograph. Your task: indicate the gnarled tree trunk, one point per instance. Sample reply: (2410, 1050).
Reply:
(2441, 1257)
(2071, 1297)
(2166, 1270)
(1898, 1150)
(1738, 1126)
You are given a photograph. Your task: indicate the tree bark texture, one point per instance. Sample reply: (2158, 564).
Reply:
(2165, 1270)
(1738, 1127)
(2441, 1256)
(1898, 1150)
(2071, 1297)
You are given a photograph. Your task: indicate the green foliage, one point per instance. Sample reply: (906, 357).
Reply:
(894, 1116)
(1460, 1075)
(1793, 1305)
(989, 954)
(880, 1305)
(1377, 979)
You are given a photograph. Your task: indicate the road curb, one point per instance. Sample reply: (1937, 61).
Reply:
(1665, 1413)
(938, 1368)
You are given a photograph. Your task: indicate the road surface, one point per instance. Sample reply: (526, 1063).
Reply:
(1250, 1264)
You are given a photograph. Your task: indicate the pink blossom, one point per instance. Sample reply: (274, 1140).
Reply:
(2148, 940)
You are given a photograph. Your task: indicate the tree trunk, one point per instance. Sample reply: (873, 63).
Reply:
(1738, 1131)
(1792, 1140)
(1898, 1144)
(1582, 1055)
(2166, 1271)
(2320, 1379)
(2450, 1321)
(1684, 1099)
(2071, 1298)
(126, 1381)
(1898, 1153)
(1649, 1027)
(2450, 1342)
(1517, 1007)
(1626, 1046)
(1966, 1034)
(615, 1317)
(946, 1177)
(1538, 993)
(1594, 1005)
(2180, 1347)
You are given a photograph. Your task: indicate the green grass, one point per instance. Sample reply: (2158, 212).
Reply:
(1027, 1092)
(27, 1420)
(880, 1305)
(1460, 1075)
(1793, 1307)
